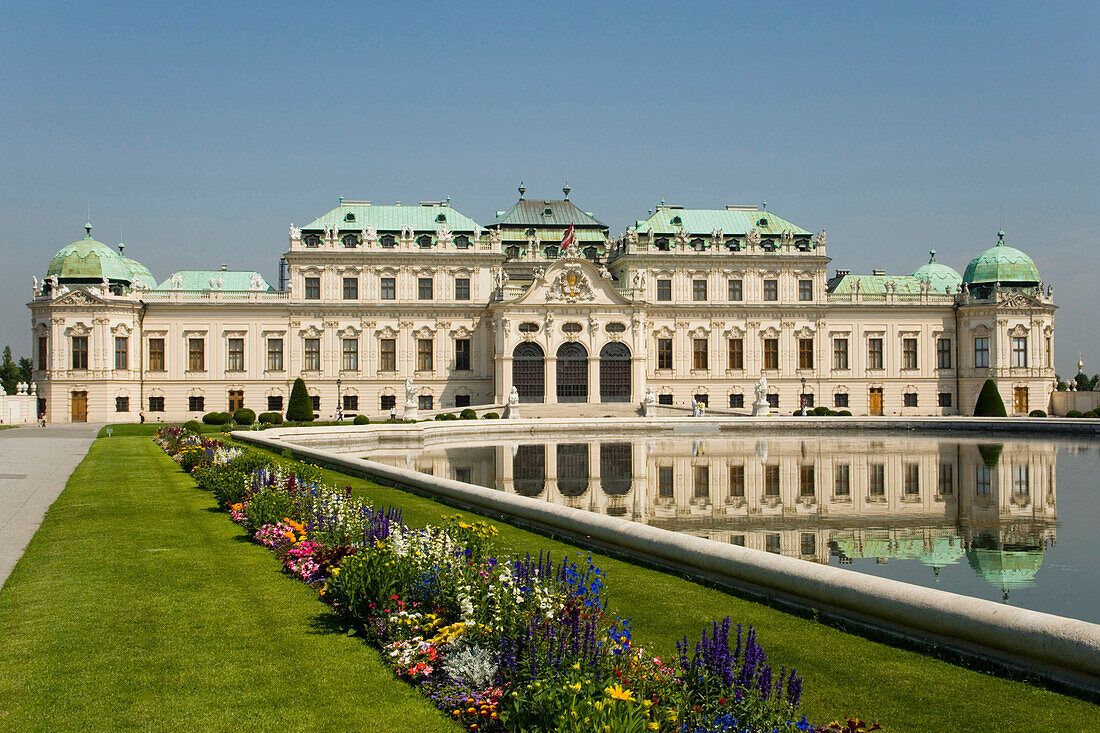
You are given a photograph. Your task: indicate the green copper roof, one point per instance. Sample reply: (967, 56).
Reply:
(545, 213)
(941, 278)
(945, 551)
(238, 280)
(392, 218)
(876, 284)
(733, 221)
(1001, 264)
(89, 260)
(1006, 569)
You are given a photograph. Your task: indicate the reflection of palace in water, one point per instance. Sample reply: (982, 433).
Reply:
(992, 505)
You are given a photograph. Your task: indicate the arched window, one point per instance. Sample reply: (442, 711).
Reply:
(311, 240)
(572, 373)
(424, 240)
(350, 240)
(388, 240)
(462, 242)
(662, 244)
(551, 252)
(615, 372)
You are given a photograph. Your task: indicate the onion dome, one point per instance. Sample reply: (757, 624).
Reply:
(1002, 265)
(940, 278)
(89, 261)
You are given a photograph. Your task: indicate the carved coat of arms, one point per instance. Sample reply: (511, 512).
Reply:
(571, 286)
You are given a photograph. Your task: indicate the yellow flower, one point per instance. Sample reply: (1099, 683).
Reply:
(575, 687)
(617, 692)
(652, 726)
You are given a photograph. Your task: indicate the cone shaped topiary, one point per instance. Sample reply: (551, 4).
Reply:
(300, 408)
(990, 403)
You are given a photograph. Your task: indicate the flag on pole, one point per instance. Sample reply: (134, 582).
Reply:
(568, 240)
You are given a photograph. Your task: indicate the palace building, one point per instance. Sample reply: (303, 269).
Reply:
(688, 305)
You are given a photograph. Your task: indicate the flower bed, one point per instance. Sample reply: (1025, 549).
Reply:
(500, 644)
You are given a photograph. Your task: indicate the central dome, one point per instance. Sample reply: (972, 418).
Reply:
(89, 261)
(940, 278)
(1003, 265)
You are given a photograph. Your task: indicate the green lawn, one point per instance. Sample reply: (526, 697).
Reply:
(137, 607)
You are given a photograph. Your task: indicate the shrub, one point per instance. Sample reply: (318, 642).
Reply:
(244, 416)
(989, 402)
(821, 410)
(267, 507)
(299, 409)
(360, 420)
(446, 416)
(1036, 413)
(193, 425)
(271, 418)
(217, 418)
(192, 457)
(1075, 413)
(491, 416)
(844, 413)
(1093, 413)
(468, 414)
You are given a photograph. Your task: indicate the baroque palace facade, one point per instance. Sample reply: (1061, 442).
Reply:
(690, 305)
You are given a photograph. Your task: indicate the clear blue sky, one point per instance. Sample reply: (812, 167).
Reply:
(203, 130)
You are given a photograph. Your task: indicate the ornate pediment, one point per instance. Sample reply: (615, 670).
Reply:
(78, 297)
(1018, 330)
(573, 280)
(570, 286)
(1020, 301)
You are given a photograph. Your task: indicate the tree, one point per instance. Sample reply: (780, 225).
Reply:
(300, 409)
(989, 402)
(9, 372)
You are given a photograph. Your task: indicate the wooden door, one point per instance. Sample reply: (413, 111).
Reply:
(80, 407)
(876, 400)
(1019, 399)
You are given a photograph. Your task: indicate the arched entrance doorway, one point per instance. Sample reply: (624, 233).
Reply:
(572, 373)
(529, 372)
(615, 373)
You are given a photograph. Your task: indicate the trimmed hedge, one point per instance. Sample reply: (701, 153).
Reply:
(490, 416)
(989, 402)
(244, 416)
(1075, 413)
(468, 414)
(1036, 413)
(217, 418)
(446, 416)
(300, 408)
(193, 425)
(361, 420)
(271, 418)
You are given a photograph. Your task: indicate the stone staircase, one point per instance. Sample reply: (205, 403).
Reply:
(577, 409)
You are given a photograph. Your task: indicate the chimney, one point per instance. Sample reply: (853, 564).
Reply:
(843, 273)
(878, 272)
(223, 267)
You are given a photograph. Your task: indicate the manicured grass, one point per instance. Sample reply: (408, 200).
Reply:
(136, 607)
(845, 674)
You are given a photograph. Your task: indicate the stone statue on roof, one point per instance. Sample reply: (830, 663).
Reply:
(34, 284)
(681, 238)
(443, 237)
(495, 237)
(752, 237)
(786, 238)
(370, 236)
(716, 238)
(819, 240)
(631, 237)
(407, 236)
(295, 233)
(477, 232)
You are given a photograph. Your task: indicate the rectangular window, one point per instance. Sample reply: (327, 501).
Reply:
(947, 479)
(771, 480)
(874, 353)
(702, 399)
(462, 288)
(876, 479)
(462, 400)
(313, 288)
(842, 480)
(423, 355)
(43, 352)
(909, 399)
(944, 399)
(664, 353)
(981, 352)
(808, 543)
(1019, 351)
(80, 352)
(387, 401)
(196, 355)
(943, 353)
(388, 288)
(122, 404)
(805, 290)
(908, 353)
(351, 403)
(911, 484)
(424, 288)
(462, 355)
(699, 290)
(806, 399)
(806, 480)
(156, 355)
(734, 289)
(773, 400)
(771, 290)
(196, 404)
(122, 352)
(274, 355)
(236, 355)
(699, 354)
(425, 402)
(771, 543)
(737, 539)
(702, 482)
(737, 481)
(275, 403)
(463, 474)
(805, 353)
(664, 482)
(1049, 351)
(351, 288)
(982, 479)
(315, 402)
(737, 400)
(736, 354)
(664, 399)
(350, 361)
(312, 359)
(840, 354)
(664, 290)
(1021, 481)
(387, 355)
(156, 404)
(840, 399)
(771, 353)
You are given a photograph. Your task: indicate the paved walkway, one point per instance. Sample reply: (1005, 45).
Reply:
(35, 464)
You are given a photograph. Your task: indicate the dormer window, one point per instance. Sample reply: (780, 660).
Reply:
(351, 240)
(551, 252)
(698, 245)
(530, 232)
(591, 253)
(677, 220)
(388, 240)
(732, 244)
(350, 216)
(311, 240)
(803, 245)
(424, 240)
(441, 218)
(547, 211)
(662, 244)
(462, 242)
(768, 245)
(512, 252)
(762, 223)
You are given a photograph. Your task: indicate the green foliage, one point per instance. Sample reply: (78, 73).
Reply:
(821, 410)
(229, 487)
(1085, 383)
(271, 418)
(192, 458)
(10, 375)
(244, 416)
(989, 402)
(490, 416)
(361, 420)
(300, 408)
(1037, 413)
(991, 454)
(1075, 413)
(217, 418)
(446, 416)
(844, 413)
(575, 701)
(268, 507)
(193, 425)
(468, 414)
(372, 576)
